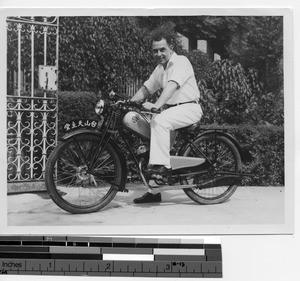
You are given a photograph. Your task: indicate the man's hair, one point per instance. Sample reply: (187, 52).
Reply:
(166, 32)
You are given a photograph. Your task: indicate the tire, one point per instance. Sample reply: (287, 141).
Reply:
(225, 156)
(68, 181)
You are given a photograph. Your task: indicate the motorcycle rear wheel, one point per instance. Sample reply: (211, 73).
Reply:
(69, 182)
(224, 157)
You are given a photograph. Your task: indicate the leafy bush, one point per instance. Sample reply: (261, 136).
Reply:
(101, 53)
(226, 97)
(266, 145)
(75, 105)
(201, 64)
(232, 95)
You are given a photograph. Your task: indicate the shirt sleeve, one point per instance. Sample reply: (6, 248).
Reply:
(152, 84)
(182, 71)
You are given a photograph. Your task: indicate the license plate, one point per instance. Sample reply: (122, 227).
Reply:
(80, 124)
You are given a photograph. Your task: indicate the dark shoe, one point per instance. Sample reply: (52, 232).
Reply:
(158, 169)
(148, 198)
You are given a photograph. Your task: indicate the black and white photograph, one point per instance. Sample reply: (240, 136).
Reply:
(169, 122)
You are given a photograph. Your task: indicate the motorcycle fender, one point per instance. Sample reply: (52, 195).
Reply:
(111, 142)
(244, 152)
(246, 157)
(79, 132)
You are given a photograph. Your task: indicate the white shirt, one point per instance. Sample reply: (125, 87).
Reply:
(180, 70)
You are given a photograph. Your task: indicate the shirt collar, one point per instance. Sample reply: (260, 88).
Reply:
(170, 61)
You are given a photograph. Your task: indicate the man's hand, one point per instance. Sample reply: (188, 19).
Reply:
(148, 105)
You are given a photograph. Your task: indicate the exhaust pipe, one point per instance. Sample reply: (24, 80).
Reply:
(220, 181)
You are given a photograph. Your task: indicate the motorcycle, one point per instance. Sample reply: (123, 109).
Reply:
(89, 165)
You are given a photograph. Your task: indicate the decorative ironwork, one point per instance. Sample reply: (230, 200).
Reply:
(31, 136)
(31, 112)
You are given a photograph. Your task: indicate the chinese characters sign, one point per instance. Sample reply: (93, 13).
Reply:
(80, 124)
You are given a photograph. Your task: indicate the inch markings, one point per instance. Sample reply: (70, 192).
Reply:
(106, 256)
(109, 267)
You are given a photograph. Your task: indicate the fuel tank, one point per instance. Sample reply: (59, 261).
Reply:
(137, 123)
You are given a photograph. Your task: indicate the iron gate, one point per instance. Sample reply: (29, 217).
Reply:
(32, 71)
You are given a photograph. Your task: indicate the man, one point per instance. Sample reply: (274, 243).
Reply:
(175, 76)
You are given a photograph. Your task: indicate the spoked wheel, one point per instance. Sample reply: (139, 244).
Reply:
(225, 159)
(79, 182)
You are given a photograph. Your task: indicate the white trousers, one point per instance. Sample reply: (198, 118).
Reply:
(164, 123)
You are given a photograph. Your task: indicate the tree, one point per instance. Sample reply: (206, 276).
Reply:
(261, 47)
(101, 53)
(256, 43)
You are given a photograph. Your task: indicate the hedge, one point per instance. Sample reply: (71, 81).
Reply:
(75, 105)
(265, 143)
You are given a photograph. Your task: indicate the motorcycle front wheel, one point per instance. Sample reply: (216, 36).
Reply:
(224, 159)
(77, 181)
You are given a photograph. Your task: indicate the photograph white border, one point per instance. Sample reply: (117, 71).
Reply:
(286, 228)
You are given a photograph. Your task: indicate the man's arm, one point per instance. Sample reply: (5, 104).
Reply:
(164, 97)
(166, 94)
(140, 95)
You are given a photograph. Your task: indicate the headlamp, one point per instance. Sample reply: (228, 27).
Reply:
(99, 108)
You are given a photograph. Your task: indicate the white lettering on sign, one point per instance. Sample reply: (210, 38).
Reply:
(80, 124)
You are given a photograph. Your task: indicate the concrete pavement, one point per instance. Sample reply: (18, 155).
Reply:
(247, 206)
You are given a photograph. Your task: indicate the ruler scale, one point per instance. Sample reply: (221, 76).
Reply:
(110, 256)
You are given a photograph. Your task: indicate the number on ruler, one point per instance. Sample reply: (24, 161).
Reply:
(182, 264)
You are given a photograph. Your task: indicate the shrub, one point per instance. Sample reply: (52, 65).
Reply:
(101, 53)
(232, 95)
(75, 105)
(226, 97)
(201, 65)
(266, 145)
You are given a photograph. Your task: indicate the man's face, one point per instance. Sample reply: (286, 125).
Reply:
(161, 51)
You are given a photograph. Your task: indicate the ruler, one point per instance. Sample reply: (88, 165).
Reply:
(110, 256)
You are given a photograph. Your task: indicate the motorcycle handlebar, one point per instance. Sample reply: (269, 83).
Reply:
(132, 103)
(140, 106)
(155, 110)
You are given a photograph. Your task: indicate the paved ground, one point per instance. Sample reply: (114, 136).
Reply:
(247, 206)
